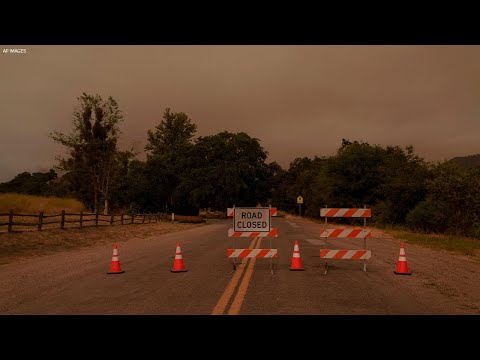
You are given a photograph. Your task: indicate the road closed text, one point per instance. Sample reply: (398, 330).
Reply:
(252, 219)
(252, 225)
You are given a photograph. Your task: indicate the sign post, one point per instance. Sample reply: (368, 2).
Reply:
(300, 202)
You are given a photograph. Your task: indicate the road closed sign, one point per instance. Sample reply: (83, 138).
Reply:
(251, 219)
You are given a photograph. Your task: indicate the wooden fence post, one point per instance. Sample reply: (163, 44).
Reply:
(96, 218)
(63, 219)
(10, 221)
(133, 217)
(81, 219)
(40, 221)
(143, 220)
(111, 220)
(121, 219)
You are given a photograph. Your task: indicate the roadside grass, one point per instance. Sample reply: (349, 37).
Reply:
(459, 244)
(30, 204)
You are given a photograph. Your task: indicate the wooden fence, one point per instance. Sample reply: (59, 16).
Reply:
(41, 221)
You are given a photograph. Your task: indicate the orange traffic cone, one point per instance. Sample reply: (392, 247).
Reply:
(402, 268)
(296, 261)
(178, 262)
(115, 266)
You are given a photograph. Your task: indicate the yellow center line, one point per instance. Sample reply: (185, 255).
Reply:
(242, 290)
(227, 294)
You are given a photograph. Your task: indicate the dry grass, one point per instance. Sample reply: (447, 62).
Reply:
(26, 244)
(459, 244)
(30, 204)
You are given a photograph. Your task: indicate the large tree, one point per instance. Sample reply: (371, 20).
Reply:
(92, 147)
(168, 148)
(227, 169)
(403, 184)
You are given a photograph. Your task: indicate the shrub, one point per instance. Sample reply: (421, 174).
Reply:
(427, 217)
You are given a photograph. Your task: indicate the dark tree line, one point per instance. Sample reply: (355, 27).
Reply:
(399, 186)
(33, 184)
(183, 174)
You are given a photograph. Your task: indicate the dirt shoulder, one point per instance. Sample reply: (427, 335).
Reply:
(441, 278)
(14, 246)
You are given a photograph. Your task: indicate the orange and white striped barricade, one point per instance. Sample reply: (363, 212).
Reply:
(363, 233)
(346, 212)
(252, 253)
(346, 233)
(252, 222)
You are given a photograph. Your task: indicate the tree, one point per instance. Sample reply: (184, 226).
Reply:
(455, 196)
(92, 147)
(33, 184)
(351, 178)
(227, 169)
(167, 148)
(403, 186)
(268, 183)
(300, 179)
(129, 187)
(174, 132)
(295, 181)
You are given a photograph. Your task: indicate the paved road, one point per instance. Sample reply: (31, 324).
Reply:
(75, 282)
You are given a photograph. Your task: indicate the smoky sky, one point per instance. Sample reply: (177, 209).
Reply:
(298, 100)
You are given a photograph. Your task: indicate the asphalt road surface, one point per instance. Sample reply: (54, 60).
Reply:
(75, 281)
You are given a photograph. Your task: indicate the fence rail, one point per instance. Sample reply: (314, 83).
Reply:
(7, 219)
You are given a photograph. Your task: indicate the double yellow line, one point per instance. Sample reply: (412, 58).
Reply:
(219, 309)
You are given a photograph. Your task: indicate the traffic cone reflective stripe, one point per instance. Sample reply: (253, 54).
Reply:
(178, 253)
(296, 260)
(402, 268)
(115, 265)
(178, 262)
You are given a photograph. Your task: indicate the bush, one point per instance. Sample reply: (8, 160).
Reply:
(427, 217)
(383, 214)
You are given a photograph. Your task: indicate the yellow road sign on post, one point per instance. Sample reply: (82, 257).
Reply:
(299, 202)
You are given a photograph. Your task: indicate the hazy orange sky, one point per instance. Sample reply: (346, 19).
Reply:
(298, 100)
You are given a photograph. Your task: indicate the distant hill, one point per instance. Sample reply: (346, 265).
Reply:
(466, 162)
